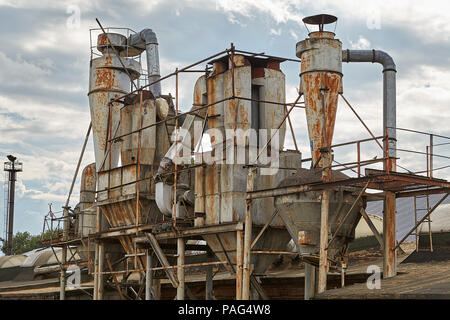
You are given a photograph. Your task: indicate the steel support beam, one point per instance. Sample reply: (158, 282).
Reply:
(239, 263)
(323, 252)
(148, 275)
(209, 295)
(162, 259)
(180, 269)
(101, 277)
(247, 238)
(389, 251)
(310, 281)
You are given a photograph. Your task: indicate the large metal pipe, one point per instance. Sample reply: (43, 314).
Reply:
(148, 275)
(389, 90)
(146, 39)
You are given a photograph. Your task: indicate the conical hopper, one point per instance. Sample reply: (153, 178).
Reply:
(301, 213)
(321, 82)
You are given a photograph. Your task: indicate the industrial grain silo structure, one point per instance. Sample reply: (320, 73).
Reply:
(158, 214)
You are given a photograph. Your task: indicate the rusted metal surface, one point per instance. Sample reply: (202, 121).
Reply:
(389, 223)
(107, 80)
(300, 212)
(88, 184)
(180, 269)
(239, 263)
(321, 82)
(122, 181)
(104, 41)
(247, 238)
(323, 248)
(129, 121)
(304, 238)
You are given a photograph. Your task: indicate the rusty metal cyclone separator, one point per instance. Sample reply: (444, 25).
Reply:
(108, 79)
(321, 83)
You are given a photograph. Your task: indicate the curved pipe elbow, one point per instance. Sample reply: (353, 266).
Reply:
(142, 38)
(149, 36)
(374, 56)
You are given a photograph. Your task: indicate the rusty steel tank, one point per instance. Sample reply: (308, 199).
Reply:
(220, 189)
(321, 83)
(109, 78)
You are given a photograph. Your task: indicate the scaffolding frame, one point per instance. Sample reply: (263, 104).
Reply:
(390, 182)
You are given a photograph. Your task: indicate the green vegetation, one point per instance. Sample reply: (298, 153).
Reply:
(24, 241)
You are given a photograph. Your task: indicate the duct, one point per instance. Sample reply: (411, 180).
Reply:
(389, 88)
(146, 39)
(164, 191)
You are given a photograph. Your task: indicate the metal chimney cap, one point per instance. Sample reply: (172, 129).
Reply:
(320, 19)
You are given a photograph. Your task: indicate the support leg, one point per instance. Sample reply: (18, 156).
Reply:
(389, 254)
(239, 257)
(209, 284)
(323, 259)
(148, 276)
(180, 270)
(310, 281)
(101, 263)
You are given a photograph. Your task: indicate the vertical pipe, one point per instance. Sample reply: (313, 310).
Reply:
(101, 263)
(389, 254)
(148, 275)
(239, 256)
(389, 115)
(62, 279)
(247, 239)
(389, 95)
(209, 283)
(323, 259)
(310, 281)
(180, 270)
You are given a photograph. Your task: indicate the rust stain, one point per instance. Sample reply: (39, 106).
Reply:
(303, 237)
(313, 83)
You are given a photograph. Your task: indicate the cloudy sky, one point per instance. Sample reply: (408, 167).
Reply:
(44, 64)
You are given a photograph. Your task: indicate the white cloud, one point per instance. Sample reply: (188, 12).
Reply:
(281, 11)
(275, 32)
(361, 44)
(293, 34)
